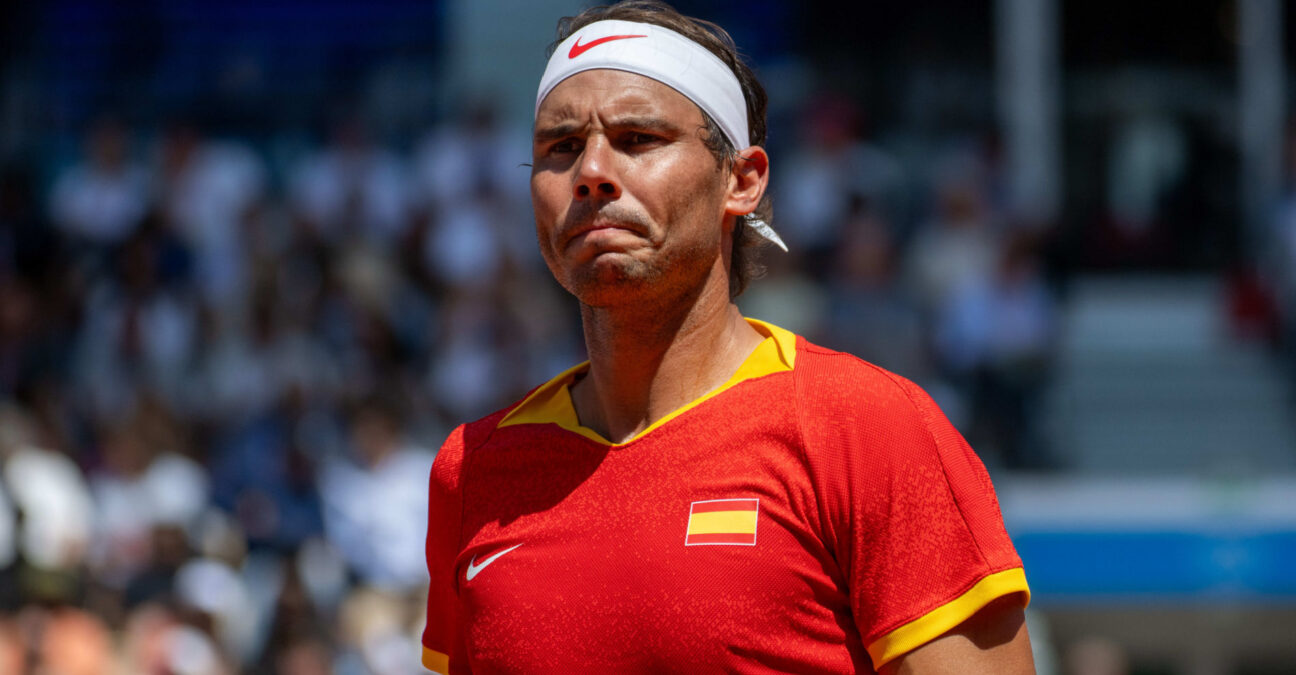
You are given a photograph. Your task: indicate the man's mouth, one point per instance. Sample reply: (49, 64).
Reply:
(597, 226)
(603, 223)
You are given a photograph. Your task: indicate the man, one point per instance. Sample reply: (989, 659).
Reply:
(708, 493)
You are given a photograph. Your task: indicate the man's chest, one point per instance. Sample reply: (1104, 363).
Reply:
(654, 557)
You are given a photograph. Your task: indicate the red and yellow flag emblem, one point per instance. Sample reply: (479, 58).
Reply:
(722, 521)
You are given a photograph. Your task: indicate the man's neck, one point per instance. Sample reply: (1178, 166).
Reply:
(646, 364)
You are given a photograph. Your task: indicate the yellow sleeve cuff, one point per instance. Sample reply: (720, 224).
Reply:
(937, 622)
(436, 661)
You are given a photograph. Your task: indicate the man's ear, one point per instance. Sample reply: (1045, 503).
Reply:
(748, 178)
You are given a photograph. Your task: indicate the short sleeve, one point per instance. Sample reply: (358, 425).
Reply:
(445, 510)
(909, 511)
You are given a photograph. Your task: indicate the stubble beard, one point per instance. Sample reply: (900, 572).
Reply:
(660, 280)
(649, 279)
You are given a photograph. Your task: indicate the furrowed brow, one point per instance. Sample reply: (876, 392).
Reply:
(555, 131)
(650, 124)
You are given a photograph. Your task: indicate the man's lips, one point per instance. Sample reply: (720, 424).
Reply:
(603, 226)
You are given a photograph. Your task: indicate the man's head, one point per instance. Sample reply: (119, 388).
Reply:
(690, 78)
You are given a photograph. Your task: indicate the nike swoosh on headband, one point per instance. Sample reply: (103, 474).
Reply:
(577, 49)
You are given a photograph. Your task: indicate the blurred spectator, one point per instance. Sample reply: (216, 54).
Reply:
(140, 327)
(995, 336)
(1149, 156)
(144, 644)
(296, 619)
(1254, 313)
(787, 296)
(471, 185)
(123, 506)
(51, 496)
(72, 642)
(834, 163)
(959, 244)
(100, 200)
(468, 244)
(263, 473)
(367, 325)
(208, 190)
(216, 596)
(147, 497)
(473, 155)
(253, 360)
(375, 500)
(191, 651)
(542, 331)
(1148, 164)
(352, 189)
(1147, 160)
(378, 630)
(870, 314)
(471, 360)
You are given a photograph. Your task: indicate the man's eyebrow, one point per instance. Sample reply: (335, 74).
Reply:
(556, 131)
(655, 124)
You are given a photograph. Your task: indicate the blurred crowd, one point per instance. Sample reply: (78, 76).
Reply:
(222, 382)
(224, 370)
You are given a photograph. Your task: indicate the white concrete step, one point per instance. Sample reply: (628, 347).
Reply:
(1148, 382)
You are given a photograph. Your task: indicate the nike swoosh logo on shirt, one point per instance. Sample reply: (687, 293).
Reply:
(474, 569)
(578, 48)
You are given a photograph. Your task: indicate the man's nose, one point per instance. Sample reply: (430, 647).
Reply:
(594, 175)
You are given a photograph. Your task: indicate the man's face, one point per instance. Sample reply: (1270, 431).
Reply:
(627, 197)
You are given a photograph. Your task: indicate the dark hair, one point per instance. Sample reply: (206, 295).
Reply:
(744, 265)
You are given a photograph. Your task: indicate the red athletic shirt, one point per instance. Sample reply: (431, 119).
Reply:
(815, 514)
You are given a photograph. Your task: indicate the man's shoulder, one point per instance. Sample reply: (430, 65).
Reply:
(825, 371)
(464, 439)
(856, 414)
(832, 383)
(477, 432)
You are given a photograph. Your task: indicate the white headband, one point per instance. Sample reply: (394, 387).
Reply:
(661, 54)
(668, 57)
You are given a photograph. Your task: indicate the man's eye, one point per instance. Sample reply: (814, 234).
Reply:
(563, 147)
(642, 139)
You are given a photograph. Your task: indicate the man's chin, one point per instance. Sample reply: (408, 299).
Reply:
(611, 280)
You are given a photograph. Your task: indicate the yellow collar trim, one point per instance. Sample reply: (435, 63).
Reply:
(551, 403)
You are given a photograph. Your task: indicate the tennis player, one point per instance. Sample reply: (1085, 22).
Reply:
(708, 493)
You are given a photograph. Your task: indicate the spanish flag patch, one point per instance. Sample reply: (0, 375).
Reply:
(722, 521)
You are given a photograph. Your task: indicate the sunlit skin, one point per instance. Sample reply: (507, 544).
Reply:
(993, 641)
(629, 202)
(634, 217)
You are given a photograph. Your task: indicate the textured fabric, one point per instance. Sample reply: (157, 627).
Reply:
(661, 54)
(875, 530)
